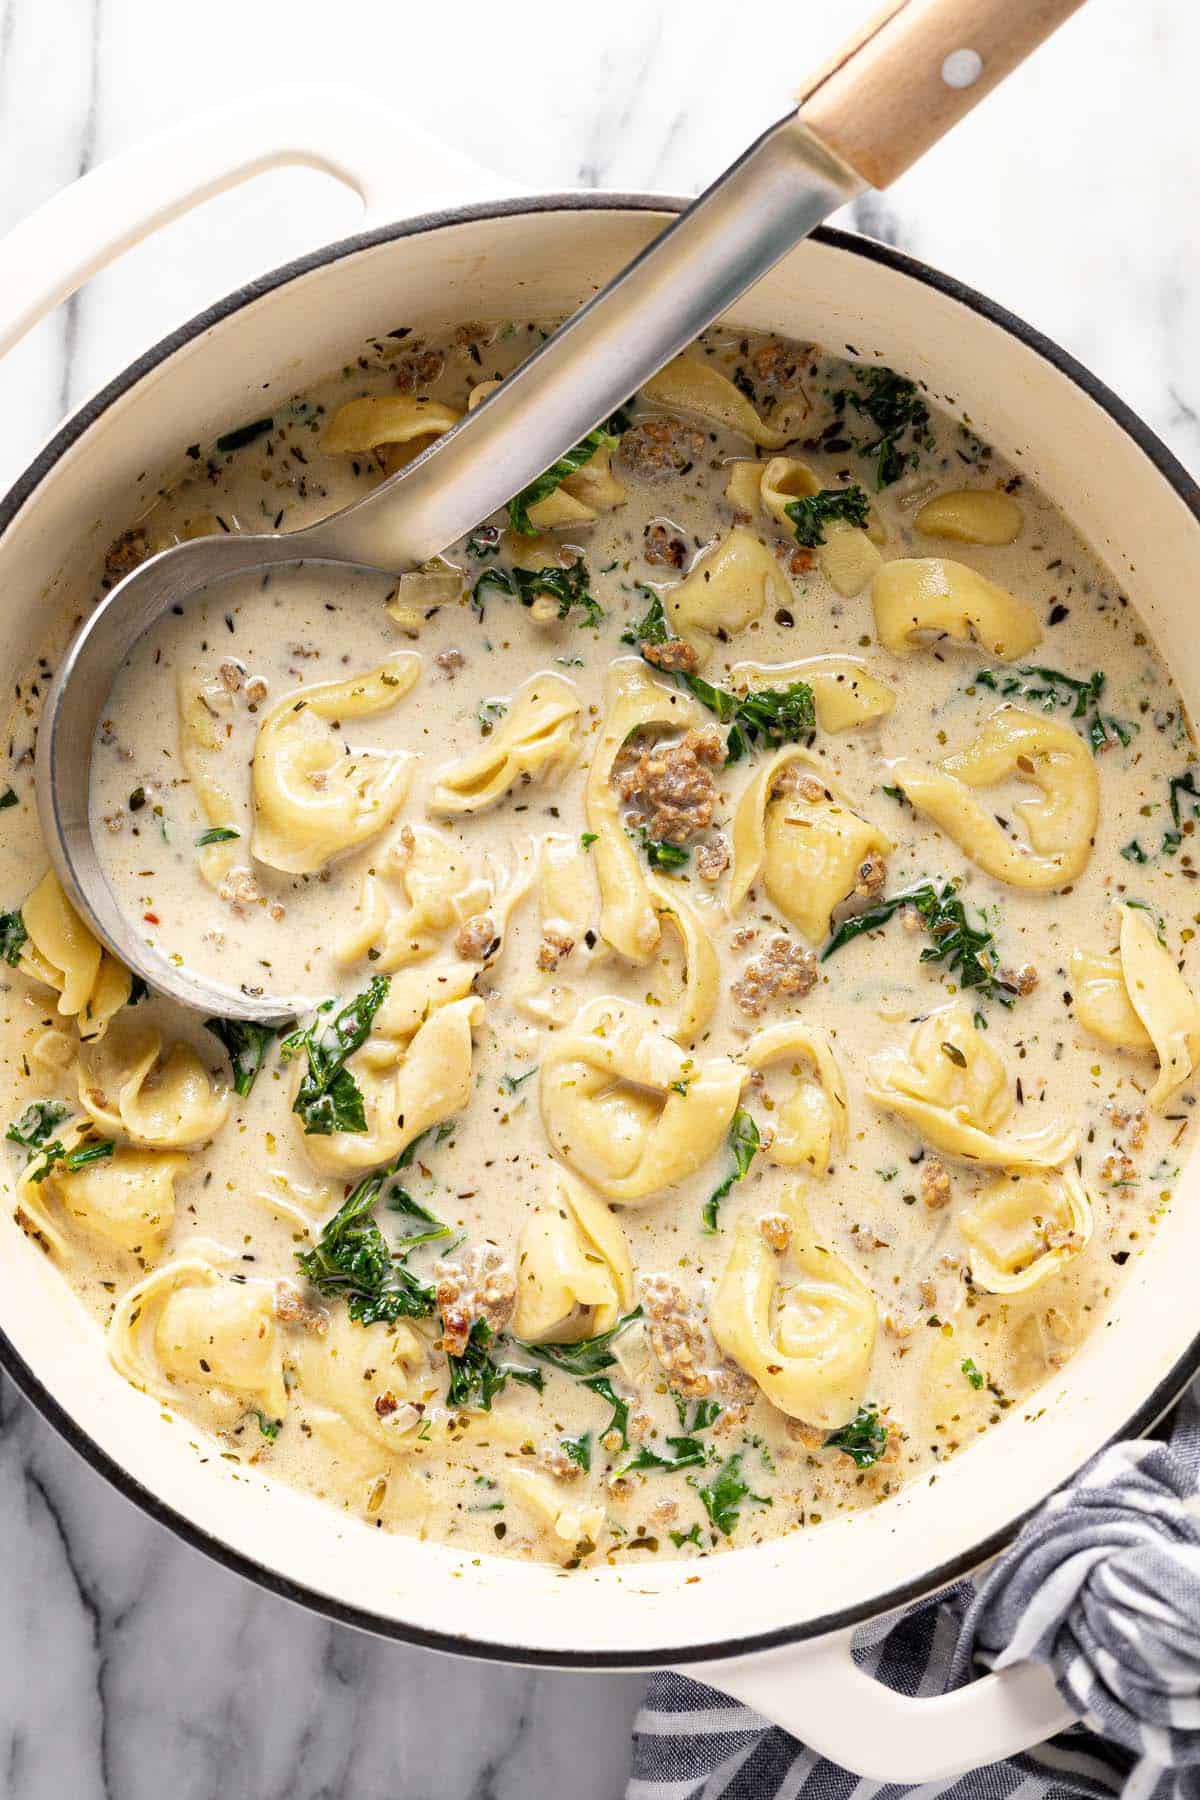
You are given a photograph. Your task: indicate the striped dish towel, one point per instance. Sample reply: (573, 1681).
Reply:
(1103, 1583)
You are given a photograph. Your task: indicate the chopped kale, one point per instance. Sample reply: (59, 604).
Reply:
(328, 1098)
(268, 1427)
(661, 854)
(512, 1083)
(217, 834)
(774, 715)
(351, 1260)
(54, 1156)
(744, 1142)
(475, 1379)
(810, 515)
(863, 1440)
(684, 1453)
(895, 407)
(246, 1045)
(600, 1384)
(1050, 689)
(972, 1372)
(967, 950)
(13, 936)
(680, 1538)
(579, 1449)
(9, 798)
(589, 1356)
(569, 586)
(723, 1496)
(36, 1123)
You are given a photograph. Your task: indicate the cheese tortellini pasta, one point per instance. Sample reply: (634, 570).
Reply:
(627, 1108)
(1138, 1000)
(574, 1275)
(1060, 820)
(846, 552)
(805, 839)
(690, 384)
(952, 1085)
(932, 595)
(726, 589)
(398, 426)
(129, 1088)
(972, 515)
(125, 1198)
(1023, 1228)
(801, 1323)
(629, 919)
(312, 799)
(61, 952)
(535, 741)
(190, 1324)
(815, 1116)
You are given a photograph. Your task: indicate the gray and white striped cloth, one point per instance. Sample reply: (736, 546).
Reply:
(1103, 1583)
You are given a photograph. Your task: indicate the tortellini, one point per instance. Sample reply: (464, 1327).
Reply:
(1060, 820)
(1023, 1228)
(61, 952)
(575, 1526)
(574, 1276)
(952, 1084)
(690, 384)
(189, 1324)
(701, 969)
(205, 708)
(627, 1108)
(126, 1198)
(374, 1382)
(629, 919)
(815, 1116)
(808, 842)
(535, 741)
(912, 595)
(438, 889)
(312, 799)
(725, 590)
(567, 896)
(807, 1343)
(130, 1089)
(1139, 1001)
(592, 489)
(845, 693)
(847, 555)
(397, 425)
(406, 1088)
(972, 515)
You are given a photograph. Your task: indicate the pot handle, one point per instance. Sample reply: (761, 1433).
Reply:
(822, 1697)
(393, 164)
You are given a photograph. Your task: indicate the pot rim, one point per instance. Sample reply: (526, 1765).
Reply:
(1144, 1417)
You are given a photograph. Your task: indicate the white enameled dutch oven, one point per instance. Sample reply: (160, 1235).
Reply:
(772, 1624)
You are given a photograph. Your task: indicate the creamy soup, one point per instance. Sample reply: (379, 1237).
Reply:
(737, 909)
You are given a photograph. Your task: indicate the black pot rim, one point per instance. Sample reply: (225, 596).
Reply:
(941, 1575)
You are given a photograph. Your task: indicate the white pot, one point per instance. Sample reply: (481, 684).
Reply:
(770, 1624)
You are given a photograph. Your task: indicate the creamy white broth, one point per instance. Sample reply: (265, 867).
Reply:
(948, 1357)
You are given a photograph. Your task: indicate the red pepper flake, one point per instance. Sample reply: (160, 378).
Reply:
(152, 918)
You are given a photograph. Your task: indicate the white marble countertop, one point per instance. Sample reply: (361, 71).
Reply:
(129, 1665)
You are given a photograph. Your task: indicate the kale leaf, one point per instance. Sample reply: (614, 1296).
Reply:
(723, 1496)
(570, 587)
(1051, 689)
(579, 1449)
(600, 1384)
(475, 1379)
(328, 1098)
(863, 1440)
(246, 1045)
(69, 1161)
(969, 951)
(661, 854)
(811, 514)
(589, 1356)
(895, 407)
(13, 936)
(36, 1123)
(351, 1260)
(685, 1453)
(744, 1142)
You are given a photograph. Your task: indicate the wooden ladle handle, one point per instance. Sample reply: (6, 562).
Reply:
(916, 69)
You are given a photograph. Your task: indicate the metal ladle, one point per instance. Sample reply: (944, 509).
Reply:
(856, 126)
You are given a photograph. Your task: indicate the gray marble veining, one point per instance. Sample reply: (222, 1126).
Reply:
(130, 1666)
